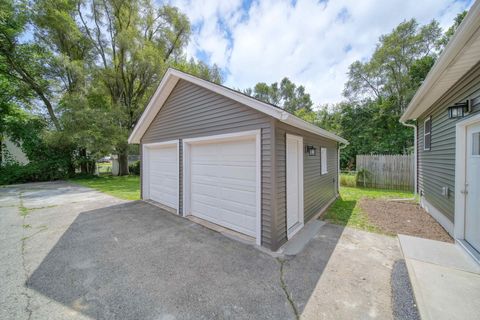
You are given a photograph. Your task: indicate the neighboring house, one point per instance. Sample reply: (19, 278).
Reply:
(446, 110)
(217, 154)
(10, 151)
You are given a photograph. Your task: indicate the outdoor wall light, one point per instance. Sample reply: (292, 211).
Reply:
(310, 150)
(459, 110)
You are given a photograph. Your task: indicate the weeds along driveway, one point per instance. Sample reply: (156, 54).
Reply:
(71, 252)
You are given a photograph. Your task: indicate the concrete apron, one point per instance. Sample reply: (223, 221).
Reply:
(445, 279)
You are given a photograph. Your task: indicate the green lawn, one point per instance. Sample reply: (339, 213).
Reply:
(105, 167)
(346, 211)
(126, 187)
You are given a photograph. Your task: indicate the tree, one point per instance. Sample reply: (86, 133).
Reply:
(133, 43)
(379, 89)
(386, 74)
(25, 63)
(92, 65)
(443, 41)
(287, 95)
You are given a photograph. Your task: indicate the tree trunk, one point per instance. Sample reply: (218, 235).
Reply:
(123, 162)
(83, 161)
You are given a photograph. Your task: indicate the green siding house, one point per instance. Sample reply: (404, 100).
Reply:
(446, 114)
(216, 156)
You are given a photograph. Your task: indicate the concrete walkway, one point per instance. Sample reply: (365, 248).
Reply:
(69, 252)
(445, 279)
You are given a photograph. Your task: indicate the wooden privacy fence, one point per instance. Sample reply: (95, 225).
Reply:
(386, 171)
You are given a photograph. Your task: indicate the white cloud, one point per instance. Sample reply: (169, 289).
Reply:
(311, 42)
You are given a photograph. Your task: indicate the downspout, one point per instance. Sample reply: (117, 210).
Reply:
(415, 132)
(341, 146)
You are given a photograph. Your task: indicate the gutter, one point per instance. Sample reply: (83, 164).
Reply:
(415, 155)
(304, 125)
(340, 147)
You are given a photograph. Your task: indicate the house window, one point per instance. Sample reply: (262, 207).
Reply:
(427, 134)
(323, 160)
(476, 144)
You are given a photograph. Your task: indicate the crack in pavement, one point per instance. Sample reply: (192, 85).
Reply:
(22, 209)
(283, 284)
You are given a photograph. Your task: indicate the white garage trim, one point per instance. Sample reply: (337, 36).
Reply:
(225, 138)
(145, 167)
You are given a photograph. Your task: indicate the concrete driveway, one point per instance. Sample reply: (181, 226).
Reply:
(71, 252)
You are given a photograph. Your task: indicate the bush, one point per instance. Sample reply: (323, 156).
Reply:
(34, 171)
(134, 168)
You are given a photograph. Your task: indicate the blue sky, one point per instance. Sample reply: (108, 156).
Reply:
(311, 42)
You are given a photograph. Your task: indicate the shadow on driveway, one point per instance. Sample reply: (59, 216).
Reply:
(135, 261)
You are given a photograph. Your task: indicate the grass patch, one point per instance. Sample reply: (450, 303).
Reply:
(24, 211)
(348, 179)
(125, 187)
(346, 211)
(104, 167)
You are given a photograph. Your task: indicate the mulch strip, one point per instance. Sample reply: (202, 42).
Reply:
(403, 217)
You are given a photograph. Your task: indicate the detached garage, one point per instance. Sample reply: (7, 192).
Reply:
(224, 157)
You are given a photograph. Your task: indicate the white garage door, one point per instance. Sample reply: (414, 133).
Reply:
(161, 174)
(223, 184)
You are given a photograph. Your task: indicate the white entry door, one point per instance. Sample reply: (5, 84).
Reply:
(472, 208)
(222, 182)
(294, 184)
(160, 174)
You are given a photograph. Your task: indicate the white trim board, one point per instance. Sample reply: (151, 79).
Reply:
(171, 78)
(460, 172)
(146, 177)
(256, 134)
(299, 225)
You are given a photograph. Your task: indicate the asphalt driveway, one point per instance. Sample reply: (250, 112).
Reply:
(71, 252)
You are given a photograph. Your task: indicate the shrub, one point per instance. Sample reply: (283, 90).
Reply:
(364, 178)
(32, 172)
(134, 168)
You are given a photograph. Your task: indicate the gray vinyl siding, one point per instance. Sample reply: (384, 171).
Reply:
(318, 189)
(192, 111)
(436, 167)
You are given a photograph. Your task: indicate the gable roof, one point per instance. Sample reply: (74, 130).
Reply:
(460, 55)
(172, 76)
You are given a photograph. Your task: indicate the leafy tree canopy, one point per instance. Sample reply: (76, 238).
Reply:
(90, 66)
(376, 93)
(286, 95)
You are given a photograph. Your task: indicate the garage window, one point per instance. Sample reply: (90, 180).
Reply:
(427, 134)
(323, 160)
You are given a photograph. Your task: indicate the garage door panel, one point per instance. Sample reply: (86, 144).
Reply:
(237, 172)
(164, 170)
(239, 223)
(240, 184)
(238, 208)
(237, 196)
(163, 174)
(206, 210)
(223, 183)
(167, 190)
(208, 190)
